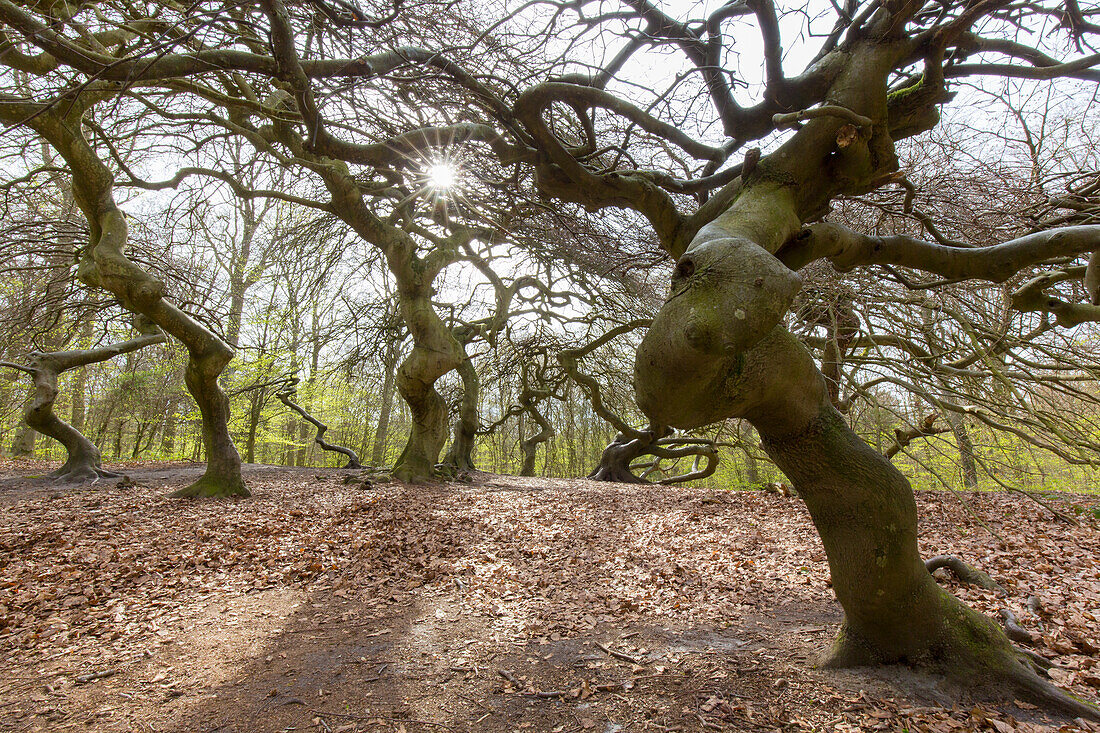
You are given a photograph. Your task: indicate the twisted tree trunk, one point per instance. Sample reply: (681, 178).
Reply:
(529, 446)
(83, 460)
(286, 396)
(435, 352)
(717, 350)
(104, 264)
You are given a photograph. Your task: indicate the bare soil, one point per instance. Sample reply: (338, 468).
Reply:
(505, 604)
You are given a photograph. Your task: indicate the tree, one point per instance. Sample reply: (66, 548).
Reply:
(83, 458)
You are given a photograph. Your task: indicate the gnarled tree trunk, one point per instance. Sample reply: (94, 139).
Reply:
(435, 352)
(716, 350)
(104, 264)
(83, 460)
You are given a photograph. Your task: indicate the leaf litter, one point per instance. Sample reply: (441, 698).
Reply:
(327, 603)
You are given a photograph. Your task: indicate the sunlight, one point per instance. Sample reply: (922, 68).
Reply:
(442, 175)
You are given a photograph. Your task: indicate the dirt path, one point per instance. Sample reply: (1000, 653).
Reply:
(506, 605)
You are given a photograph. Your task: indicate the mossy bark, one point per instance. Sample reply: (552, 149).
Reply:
(717, 350)
(863, 508)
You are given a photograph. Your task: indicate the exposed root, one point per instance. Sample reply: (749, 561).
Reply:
(209, 487)
(1013, 629)
(1037, 662)
(963, 572)
(974, 653)
(81, 474)
(412, 475)
(1048, 696)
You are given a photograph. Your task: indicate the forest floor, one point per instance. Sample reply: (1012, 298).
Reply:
(504, 604)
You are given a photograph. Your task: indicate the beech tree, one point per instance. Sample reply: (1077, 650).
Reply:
(718, 348)
(83, 458)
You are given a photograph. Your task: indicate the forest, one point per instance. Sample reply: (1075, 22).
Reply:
(549, 365)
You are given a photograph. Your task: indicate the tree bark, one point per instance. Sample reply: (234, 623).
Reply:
(435, 352)
(717, 349)
(966, 449)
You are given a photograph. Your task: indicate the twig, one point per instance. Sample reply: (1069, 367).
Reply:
(619, 655)
(86, 678)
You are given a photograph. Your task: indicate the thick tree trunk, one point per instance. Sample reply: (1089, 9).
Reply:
(717, 350)
(435, 352)
(223, 463)
(860, 504)
(83, 461)
(428, 431)
(616, 458)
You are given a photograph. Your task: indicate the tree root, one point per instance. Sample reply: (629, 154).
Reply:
(976, 655)
(1037, 662)
(1013, 629)
(963, 572)
(1028, 682)
(81, 474)
(212, 487)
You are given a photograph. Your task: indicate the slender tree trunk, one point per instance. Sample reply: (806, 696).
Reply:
(22, 446)
(966, 449)
(255, 411)
(381, 432)
(752, 471)
(461, 454)
(168, 436)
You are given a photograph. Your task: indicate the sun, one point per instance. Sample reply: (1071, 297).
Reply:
(442, 176)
